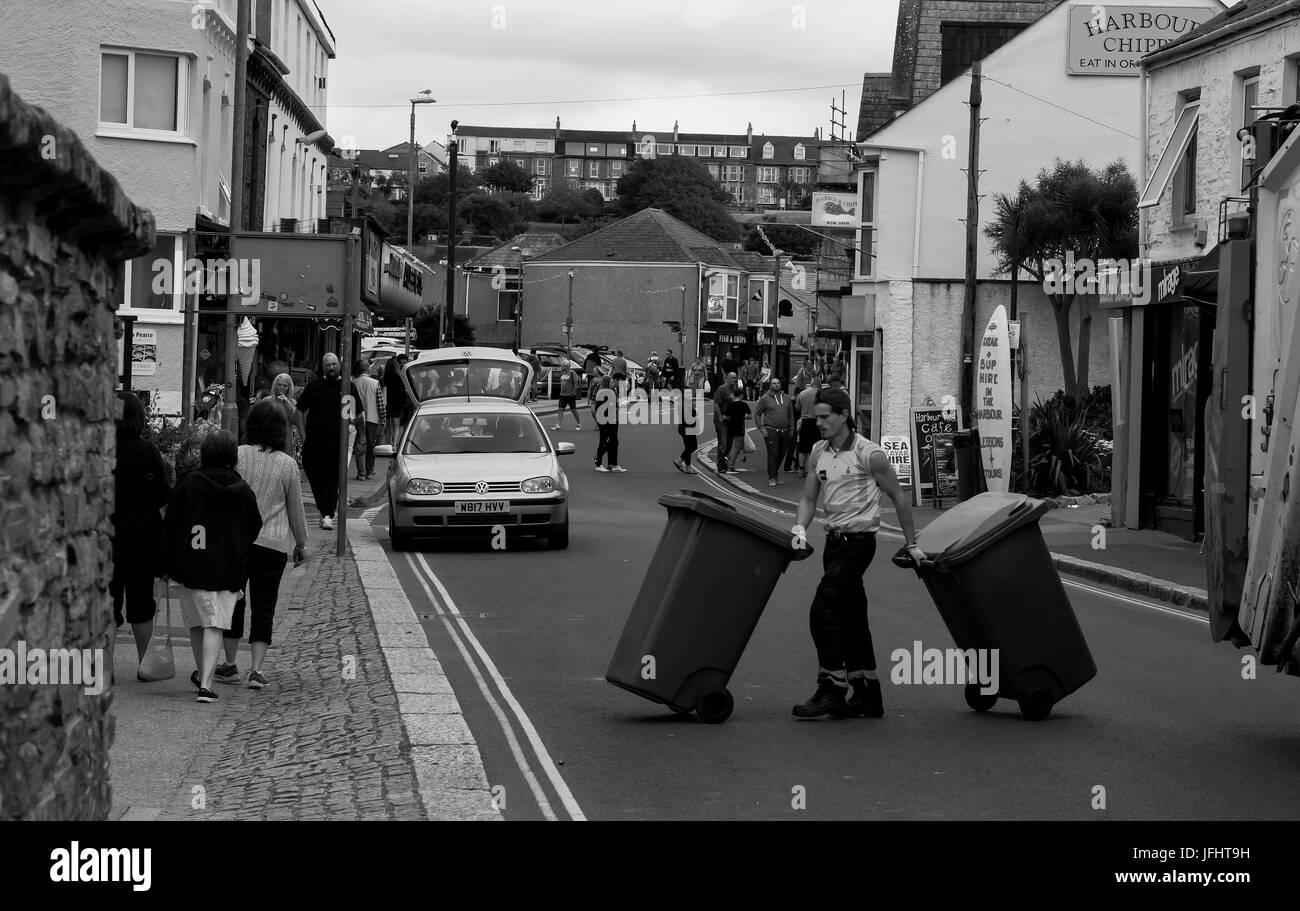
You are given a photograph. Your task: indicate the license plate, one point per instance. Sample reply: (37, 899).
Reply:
(476, 506)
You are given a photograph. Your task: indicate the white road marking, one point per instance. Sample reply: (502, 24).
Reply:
(548, 765)
(516, 750)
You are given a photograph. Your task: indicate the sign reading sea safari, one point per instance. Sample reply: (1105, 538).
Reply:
(1111, 40)
(993, 402)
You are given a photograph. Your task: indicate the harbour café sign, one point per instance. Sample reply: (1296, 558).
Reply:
(1109, 40)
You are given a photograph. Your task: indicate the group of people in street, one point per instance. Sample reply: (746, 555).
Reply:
(228, 525)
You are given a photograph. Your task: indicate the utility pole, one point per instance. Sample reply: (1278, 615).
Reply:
(972, 249)
(230, 413)
(1022, 360)
(568, 323)
(449, 309)
(425, 97)
(348, 404)
(681, 337)
(775, 303)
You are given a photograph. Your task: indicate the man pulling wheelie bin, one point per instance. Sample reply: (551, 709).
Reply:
(846, 473)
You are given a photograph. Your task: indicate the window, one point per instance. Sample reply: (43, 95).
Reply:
(767, 174)
(494, 145)
(573, 168)
(539, 166)
(799, 175)
(1187, 177)
(686, 150)
(767, 195)
(519, 145)
(865, 258)
(541, 186)
(139, 91)
(733, 297)
(719, 151)
(663, 149)
(593, 169)
(758, 309)
(540, 146)
(492, 159)
(733, 172)
(964, 43)
(508, 300)
(155, 281)
(714, 170)
(520, 163)
(799, 152)
(1184, 165)
(1249, 97)
(769, 151)
(739, 152)
(616, 169)
(573, 148)
(616, 150)
(737, 191)
(595, 148)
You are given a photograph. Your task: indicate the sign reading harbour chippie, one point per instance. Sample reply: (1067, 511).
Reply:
(1110, 40)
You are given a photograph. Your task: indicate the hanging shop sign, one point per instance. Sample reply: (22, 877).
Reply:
(993, 402)
(835, 210)
(401, 285)
(298, 275)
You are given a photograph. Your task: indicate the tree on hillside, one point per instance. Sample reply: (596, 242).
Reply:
(788, 239)
(681, 187)
(1071, 209)
(564, 204)
(434, 190)
(489, 215)
(506, 176)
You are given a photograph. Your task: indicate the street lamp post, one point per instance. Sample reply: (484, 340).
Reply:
(425, 97)
(448, 329)
(519, 297)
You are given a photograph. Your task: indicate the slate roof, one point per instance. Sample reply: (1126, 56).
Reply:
(649, 236)
(1222, 21)
(531, 245)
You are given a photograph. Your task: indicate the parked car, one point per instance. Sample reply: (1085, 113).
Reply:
(548, 378)
(464, 466)
(467, 372)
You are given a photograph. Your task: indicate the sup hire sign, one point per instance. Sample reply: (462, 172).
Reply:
(993, 402)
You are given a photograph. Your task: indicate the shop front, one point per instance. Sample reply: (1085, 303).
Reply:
(1177, 341)
(724, 348)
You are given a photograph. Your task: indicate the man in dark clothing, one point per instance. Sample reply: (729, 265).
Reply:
(672, 371)
(722, 397)
(322, 402)
(774, 417)
(737, 412)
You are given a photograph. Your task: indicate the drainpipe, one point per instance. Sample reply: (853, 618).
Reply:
(916, 238)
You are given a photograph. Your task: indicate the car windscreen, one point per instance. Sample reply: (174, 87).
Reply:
(474, 432)
(502, 379)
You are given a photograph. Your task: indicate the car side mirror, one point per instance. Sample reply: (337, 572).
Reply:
(564, 449)
(384, 451)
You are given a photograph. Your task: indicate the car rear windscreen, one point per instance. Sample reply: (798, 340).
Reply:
(501, 379)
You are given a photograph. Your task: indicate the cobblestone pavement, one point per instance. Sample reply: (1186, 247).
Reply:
(325, 739)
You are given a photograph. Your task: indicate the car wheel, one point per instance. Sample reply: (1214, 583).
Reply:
(558, 538)
(401, 542)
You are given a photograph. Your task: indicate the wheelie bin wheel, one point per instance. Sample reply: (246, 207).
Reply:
(980, 702)
(1036, 706)
(715, 707)
(680, 711)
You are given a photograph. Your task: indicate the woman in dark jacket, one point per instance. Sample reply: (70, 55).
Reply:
(140, 482)
(212, 522)
(395, 397)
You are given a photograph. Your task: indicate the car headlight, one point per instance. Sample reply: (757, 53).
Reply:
(420, 487)
(538, 485)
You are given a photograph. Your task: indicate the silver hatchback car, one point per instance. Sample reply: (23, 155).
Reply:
(469, 466)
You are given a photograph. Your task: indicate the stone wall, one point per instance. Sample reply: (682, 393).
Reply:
(64, 223)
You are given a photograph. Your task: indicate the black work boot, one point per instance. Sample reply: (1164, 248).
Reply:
(829, 695)
(864, 700)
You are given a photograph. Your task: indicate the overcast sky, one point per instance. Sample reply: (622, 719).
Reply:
(486, 60)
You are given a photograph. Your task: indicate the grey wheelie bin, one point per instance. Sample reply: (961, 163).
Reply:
(992, 578)
(706, 586)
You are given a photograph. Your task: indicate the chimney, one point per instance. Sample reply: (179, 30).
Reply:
(633, 126)
(749, 134)
(557, 134)
(675, 131)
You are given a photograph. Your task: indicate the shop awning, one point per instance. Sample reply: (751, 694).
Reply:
(1200, 283)
(1172, 156)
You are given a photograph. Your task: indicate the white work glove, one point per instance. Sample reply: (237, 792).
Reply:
(917, 555)
(798, 537)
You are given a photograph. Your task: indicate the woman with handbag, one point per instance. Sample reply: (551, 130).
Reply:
(140, 484)
(265, 466)
(211, 524)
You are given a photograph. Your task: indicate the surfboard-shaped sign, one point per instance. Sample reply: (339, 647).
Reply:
(993, 402)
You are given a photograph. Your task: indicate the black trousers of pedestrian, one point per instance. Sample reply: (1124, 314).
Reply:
(608, 445)
(372, 440)
(689, 442)
(265, 568)
(779, 443)
(839, 609)
(132, 584)
(322, 466)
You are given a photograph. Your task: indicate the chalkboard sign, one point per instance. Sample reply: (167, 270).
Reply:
(945, 464)
(927, 424)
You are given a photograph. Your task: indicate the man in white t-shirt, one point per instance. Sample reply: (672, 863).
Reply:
(847, 473)
(368, 389)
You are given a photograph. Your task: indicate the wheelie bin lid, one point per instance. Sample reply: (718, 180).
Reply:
(722, 511)
(970, 527)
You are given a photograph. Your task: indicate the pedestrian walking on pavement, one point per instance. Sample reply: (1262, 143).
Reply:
(849, 473)
(737, 413)
(368, 390)
(722, 398)
(323, 403)
(265, 465)
(618, 372)
(284, 395)
(806, 418)
(690, 423)
(140, 494)
(672, 371)
(394, 396)
(568, 398)
(606, 415)
(212, 521)
(774, 417)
